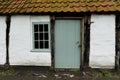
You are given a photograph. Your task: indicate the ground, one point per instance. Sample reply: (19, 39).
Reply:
(45, 73)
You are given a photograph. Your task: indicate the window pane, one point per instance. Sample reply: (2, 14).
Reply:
(35, 28)
(36, 46)
(41, 44)
(46, 36)
(46, 44)
(36, 36)
(40, 36)
(40, 27)
(46, 27)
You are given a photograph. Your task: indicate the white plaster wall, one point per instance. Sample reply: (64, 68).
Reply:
(102, 41)
(2, 40)
(21, 42)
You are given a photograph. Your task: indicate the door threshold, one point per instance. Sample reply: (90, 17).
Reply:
(66, 70)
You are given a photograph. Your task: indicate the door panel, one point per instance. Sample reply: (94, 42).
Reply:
(67, 43)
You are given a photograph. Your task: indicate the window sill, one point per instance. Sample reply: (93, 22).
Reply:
(40, 50)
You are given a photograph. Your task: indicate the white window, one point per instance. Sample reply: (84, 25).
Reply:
(41, 36)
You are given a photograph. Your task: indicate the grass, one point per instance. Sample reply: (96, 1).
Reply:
(50, 74)
(7, 72)
(102, 73)
(76, 72)
(106, 73)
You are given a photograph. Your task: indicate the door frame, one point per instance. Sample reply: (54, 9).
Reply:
(53, 39)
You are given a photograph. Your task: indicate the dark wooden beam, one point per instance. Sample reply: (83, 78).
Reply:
(52, 42)
(117, 46)
(87, 23)
(8, 21)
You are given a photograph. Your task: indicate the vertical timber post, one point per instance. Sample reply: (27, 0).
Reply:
(87, 40)
(52, 42)
(117, 46)
(8, 20)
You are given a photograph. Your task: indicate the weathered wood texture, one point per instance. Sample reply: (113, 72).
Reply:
(52, 41)
(87, 40)
(8, 20)
(117, 42)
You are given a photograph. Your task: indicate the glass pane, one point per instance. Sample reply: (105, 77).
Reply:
(46, 27)
(46, 44)
(36, 45)
(41, 44)
(40, 36)
(46, 36)
(40, 27)
(36, 36)
(35, 28)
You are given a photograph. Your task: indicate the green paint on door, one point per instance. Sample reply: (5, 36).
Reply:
(67, 44)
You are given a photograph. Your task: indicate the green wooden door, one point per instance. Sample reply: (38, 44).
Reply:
(67, 44)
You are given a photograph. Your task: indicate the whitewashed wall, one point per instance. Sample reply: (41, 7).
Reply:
(2, 40)
(102, 41)
(21, 42)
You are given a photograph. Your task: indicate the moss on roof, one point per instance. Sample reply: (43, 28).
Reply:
(38, 6)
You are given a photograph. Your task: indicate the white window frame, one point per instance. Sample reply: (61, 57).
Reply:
(33, 39)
